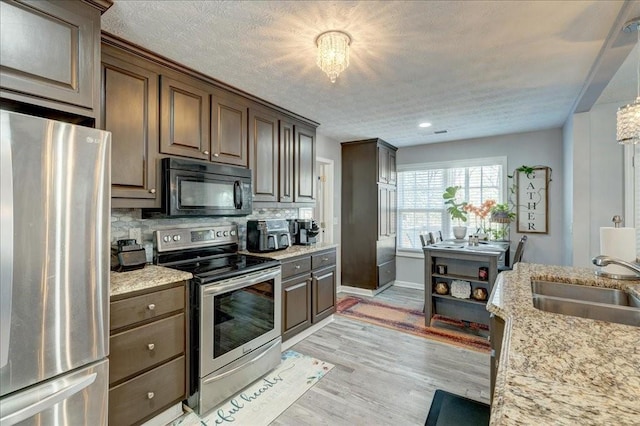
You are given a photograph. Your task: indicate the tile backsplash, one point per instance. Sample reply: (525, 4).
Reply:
(126, 223)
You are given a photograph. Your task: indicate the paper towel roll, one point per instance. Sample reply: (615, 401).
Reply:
(619, 243)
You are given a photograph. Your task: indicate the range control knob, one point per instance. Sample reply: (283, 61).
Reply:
(232, 233)
(176, 238)
(225, 233)
(219, 234)
(166, 238)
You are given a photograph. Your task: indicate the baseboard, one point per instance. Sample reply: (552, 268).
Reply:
(305, 333)
(166, 417)
(363, 291)
(409, 284)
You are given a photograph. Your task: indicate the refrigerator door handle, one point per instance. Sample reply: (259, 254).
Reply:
(6, 242)
(47, 402)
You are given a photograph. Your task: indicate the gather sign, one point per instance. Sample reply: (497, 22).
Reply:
(533, 200)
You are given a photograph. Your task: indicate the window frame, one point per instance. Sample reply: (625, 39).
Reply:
(447, 165)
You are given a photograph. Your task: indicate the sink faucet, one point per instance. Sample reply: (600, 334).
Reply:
(608, 260)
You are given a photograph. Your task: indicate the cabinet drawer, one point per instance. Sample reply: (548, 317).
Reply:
(320, 260)
(148, 306)
(386, 272)
(143, 347)
(295, 267)
(139, 398)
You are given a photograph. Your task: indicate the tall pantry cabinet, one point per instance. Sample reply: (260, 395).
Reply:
(368, 213)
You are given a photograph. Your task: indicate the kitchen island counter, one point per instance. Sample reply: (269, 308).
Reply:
(560, 369)
(149, 277)
(294, 251)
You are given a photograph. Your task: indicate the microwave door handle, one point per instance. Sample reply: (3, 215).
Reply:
(237, 195)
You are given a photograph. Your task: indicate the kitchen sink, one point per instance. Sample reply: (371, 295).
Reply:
(581, 292)
(596, 303)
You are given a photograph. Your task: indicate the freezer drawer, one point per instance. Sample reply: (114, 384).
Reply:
(76, 398)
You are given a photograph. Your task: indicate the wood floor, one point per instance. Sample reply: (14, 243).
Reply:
(381, 376)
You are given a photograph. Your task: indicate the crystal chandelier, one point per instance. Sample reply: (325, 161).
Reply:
(628, 117)
(333, 53)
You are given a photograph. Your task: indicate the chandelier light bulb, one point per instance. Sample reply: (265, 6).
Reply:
(333, 53)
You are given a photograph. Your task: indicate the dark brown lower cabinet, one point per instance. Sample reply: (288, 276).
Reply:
(148, 352)
(308, 291)
(496, 325)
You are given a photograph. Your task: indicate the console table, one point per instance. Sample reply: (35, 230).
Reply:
(459, 262)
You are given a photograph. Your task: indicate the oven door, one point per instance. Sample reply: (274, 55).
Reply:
(238, 315)
(197, 193)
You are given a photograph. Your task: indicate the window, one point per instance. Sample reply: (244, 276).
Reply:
(421, 208)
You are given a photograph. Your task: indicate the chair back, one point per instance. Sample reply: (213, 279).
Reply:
(519, 250)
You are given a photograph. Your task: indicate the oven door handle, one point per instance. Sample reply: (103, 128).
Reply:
(265, 351)
(239, 282)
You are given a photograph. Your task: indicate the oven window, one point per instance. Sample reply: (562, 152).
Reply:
(206, 194)
(242, 315)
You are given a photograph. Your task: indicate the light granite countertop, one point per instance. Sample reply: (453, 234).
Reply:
(142, 279)
(294, 251)
(559, 369)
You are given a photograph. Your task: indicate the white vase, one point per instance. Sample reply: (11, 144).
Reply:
(459, 232)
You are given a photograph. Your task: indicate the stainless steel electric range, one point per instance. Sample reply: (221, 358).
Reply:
(235, 310)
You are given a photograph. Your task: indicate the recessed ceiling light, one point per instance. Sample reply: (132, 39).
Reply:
(423, 125)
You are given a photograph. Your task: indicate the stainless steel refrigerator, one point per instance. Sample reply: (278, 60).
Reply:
(54, 267)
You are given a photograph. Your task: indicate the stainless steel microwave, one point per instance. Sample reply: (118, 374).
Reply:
(197, 188)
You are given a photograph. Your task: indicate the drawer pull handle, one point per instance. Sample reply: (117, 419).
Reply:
(325, 259)
(297, 266)
(151, 346)
(151, 306)
(150, 395)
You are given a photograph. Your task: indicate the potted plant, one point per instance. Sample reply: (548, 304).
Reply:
(456, 210)
(501, 217)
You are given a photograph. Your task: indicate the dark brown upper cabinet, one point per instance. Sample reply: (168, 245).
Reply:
(263, 154)
(386, 165)
(304, 164)
(229, 129)
(184, 119)
(50, 54)
(130, 113)
(285, 193)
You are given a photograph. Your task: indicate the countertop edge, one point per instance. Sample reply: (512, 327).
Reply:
(294, 251)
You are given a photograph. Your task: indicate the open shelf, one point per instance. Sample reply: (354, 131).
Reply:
(460, 277)
(457, 299)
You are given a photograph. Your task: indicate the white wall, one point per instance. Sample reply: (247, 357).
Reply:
(598, 174)
(543, 147)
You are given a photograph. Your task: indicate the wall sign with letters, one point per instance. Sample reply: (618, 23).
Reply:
(533, 200)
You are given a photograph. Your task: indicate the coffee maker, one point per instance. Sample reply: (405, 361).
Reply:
(304, 231)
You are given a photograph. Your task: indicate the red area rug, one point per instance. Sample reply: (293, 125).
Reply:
(467, 335)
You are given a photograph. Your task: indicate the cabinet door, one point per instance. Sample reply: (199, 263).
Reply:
(324, 293)
(383, 211)
(296, 305)
(393, 174)
(130, 113)
(285, 192)
(263, 154)
(184, 119)
(383, 164)
(50, 50)
(305, 163)
(229, 129)
(392, 211)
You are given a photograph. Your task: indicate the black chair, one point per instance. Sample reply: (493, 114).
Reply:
(517, 257)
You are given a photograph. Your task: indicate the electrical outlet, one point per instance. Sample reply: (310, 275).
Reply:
(136, 234)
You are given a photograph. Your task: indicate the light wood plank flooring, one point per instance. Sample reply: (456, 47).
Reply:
(381, 376)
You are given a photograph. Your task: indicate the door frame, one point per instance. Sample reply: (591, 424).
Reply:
(324, 204)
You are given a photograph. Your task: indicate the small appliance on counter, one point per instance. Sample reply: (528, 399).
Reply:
(268, 235)
(127, 256)
(304, 231)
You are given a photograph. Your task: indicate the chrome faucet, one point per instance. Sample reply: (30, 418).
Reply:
(608, 260)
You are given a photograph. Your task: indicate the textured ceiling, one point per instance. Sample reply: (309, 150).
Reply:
(473, 68)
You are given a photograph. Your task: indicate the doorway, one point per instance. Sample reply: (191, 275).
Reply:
(323, 211)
